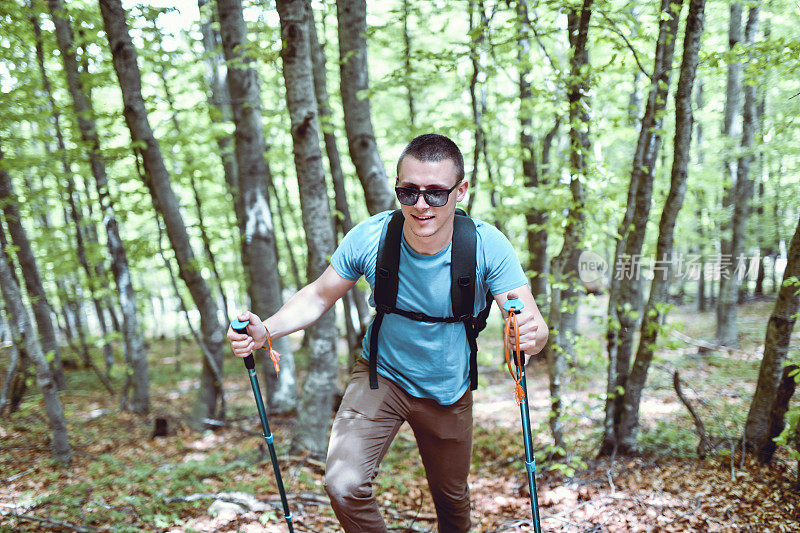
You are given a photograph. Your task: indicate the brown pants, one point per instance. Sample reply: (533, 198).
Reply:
(365, 426)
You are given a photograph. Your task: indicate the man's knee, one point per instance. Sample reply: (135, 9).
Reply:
(344, 484)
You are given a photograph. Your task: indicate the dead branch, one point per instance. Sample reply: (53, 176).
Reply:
(705, 444)
(707, 346)
(251, 502)
(49, 523)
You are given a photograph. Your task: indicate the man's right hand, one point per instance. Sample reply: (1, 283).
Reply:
(245, 344)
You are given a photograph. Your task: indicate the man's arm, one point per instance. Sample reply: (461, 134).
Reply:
(533, 331)
(304, 308)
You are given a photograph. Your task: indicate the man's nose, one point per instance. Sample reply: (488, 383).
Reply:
(421, 203)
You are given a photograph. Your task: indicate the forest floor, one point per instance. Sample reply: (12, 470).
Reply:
(121, 479)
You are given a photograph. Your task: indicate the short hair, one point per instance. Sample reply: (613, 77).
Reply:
(433, 147)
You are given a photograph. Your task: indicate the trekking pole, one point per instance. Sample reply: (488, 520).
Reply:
(513, 306)
(250, 364)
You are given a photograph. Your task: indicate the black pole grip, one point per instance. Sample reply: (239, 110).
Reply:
(241, 327)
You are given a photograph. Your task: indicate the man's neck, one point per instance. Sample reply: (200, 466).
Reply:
(429, 245)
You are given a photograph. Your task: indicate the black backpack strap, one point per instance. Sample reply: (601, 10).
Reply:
(462, 285)
(387, 279)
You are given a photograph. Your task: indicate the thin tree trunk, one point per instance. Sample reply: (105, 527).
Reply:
(284, 230)
(11, 376)
(220, 100)
(475, 42)
(727, 329)
(259, 252)
(625, 299)
(158, 182)
(32, 278)
(161, 67)
(563, 267)
(133, 342)
(352, 15)
(316, 403)
(22, 332)
(408, 77)
(701, 247)
(535, 218)
(659, 290)
(343, 219)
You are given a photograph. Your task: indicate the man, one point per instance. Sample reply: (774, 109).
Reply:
(422, 368)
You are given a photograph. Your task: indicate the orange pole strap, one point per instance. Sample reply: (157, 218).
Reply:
(275, 356)
(511, 322)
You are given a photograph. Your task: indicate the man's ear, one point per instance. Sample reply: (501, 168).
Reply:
(462, 190)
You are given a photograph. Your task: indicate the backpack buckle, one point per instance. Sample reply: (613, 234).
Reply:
(463, 281)
(383, 273)
(419, 317)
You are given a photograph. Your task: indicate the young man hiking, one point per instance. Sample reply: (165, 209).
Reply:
(421, 365)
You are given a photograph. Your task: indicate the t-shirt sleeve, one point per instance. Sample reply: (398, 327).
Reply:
(357, 248)
(503, 271)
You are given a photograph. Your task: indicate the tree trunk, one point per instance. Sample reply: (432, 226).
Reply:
(158, 182)
(30, 274)
(777, 412)
(475, 42)
(625, 299)
(220, 100)
(23, 335)
(133, 342)
(727, 330)
(408, 77)
(316, 404)
(564, 289)
(776, 347)
(659, 290)
(342, 217)
(259, 251)
(535, 218)
(162, 62)
(352, 15)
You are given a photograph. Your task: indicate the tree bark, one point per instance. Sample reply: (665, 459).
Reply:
(158, 182)
(316, 403)
(162, 62)
(352, 15)
(133, 342)
(535, 218)
(564, 288)
(475, 42)
(777, 413)
(776, 347)
(408, 77)
(625, 299)
(259, 251)
(342, 217)
(31, 276)
(727, 330)
(659, 289)
(220, 99)
(23, 336)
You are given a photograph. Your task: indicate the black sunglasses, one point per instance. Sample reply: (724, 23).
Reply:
(433, 197)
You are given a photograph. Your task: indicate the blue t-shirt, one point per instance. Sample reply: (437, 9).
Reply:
(429, 360)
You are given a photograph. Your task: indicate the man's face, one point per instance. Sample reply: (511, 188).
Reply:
(422, 220)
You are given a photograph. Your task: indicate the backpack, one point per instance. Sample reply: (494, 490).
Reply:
(462, 288)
